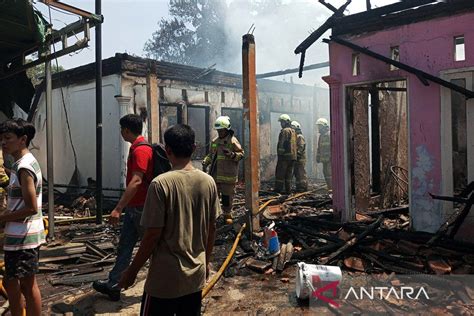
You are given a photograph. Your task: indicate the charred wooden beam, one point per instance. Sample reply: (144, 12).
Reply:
(292, 70)
(390, 211)
(309, 232)
(395, 260)
(458, 216)
(312, 203)
(328, 5)
(309, 253)
(321, 30)
(351, 243)
(294, 234)
(377, 12)
(301, 49)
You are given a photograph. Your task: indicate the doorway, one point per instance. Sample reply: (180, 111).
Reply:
(378, 145)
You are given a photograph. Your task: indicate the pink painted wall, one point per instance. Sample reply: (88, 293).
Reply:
(426, 45)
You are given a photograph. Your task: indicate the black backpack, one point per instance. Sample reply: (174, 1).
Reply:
(161, 164)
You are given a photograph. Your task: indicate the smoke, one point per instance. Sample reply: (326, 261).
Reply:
(278, 31)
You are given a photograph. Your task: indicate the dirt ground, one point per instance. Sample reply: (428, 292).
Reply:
(241, 294)
(250, 293)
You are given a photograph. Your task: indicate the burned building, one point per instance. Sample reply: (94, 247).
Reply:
(402, 109)
(164, 94)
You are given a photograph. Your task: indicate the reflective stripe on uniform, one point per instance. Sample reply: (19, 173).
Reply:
(227, 179)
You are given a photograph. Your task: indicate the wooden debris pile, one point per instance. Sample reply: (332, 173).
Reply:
(86, 256)
(377, 242)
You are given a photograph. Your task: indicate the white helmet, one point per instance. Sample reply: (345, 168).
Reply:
(284, 118)
(222, 122)
(323, 122)
(295, 125)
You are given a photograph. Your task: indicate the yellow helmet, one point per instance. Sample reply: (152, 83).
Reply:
(295, 125)
(284, 118)
(323, 122)
(222, 122)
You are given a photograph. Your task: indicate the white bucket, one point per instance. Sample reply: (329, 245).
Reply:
(305, 273)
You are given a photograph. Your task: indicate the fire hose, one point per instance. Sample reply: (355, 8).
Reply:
(219, 273)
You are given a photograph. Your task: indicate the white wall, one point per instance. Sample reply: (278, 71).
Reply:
(79, 102)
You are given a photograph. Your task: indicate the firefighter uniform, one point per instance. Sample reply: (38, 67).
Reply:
(300, 164)
(224, 168)
(287, 154)
(324, 153)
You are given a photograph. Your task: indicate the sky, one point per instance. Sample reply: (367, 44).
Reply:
(128, 24)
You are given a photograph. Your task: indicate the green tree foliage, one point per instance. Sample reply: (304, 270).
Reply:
(194, 35)
(37, 73)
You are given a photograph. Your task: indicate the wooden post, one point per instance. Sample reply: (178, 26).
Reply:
(153, 108)
(250, 130)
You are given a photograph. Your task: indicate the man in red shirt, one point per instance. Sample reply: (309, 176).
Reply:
(139, 176)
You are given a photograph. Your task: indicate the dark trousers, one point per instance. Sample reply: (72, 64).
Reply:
(327, 174)
(300, 176)
(283, 175)
(184, 305)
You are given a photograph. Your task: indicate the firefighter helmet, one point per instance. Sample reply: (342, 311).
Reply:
(284, 118)
(222, 122)
(295, 125)
(323, 122)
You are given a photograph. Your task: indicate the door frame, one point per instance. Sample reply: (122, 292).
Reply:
(446, 133)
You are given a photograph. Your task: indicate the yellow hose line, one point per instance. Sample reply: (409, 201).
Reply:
(218, 275)
(298, 195)
(262, 207)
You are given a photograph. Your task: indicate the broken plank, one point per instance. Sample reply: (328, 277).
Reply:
(95, 250)
(59, 258)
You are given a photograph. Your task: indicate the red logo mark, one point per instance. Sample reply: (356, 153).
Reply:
(328, 287)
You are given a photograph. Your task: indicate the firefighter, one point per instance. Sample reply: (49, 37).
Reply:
(223, 159)
(287, 154)
(300, 170)
(324, 149)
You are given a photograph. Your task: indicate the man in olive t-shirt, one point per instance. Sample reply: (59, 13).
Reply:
(179, 217)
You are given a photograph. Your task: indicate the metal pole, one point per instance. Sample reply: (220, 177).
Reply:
(98, 110)
(49, 146)
(250, 124)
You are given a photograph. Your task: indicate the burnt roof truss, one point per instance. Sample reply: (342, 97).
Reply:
(424, 77)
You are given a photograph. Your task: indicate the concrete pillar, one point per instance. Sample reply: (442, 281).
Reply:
(339, 168)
